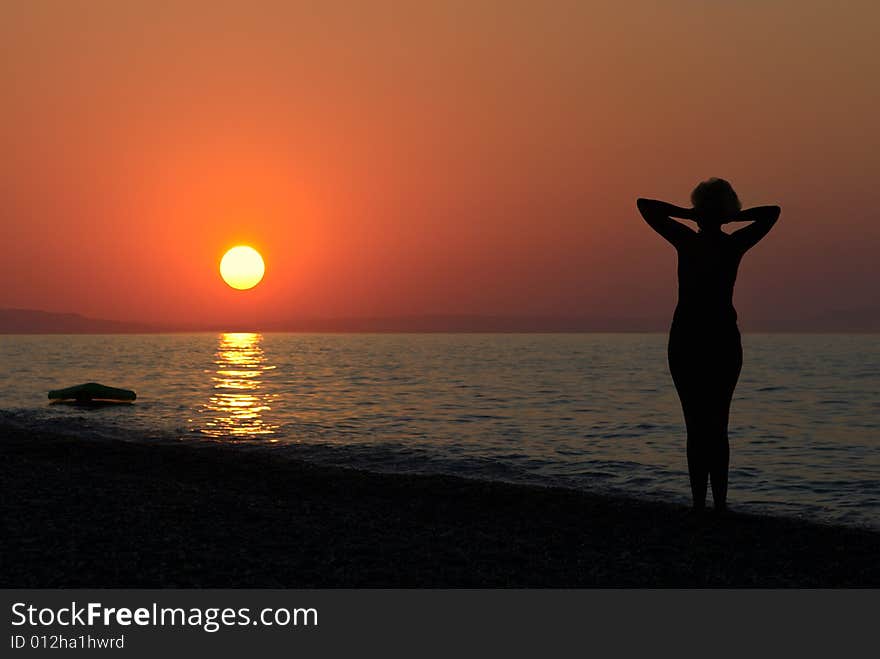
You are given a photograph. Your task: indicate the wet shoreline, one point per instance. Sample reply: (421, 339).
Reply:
(107, 513)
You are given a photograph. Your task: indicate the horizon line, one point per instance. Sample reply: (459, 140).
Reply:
(32, 321)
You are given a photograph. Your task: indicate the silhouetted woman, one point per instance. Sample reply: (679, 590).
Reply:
(705, 353)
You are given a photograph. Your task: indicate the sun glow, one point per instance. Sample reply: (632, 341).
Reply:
(239, 404)
(242, 267)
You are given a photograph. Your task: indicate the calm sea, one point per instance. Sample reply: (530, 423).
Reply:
(587, 411)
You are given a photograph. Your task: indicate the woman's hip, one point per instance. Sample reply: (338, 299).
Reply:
(705, 351)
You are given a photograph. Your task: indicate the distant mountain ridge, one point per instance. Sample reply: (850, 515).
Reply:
(31, 321)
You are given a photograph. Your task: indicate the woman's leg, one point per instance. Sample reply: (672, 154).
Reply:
(683, 364)
(719, 460)
(698, 465)
(719, 454)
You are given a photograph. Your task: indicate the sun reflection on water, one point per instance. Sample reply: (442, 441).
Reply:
(238, 405)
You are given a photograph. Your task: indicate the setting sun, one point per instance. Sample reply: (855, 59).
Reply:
(242, 267)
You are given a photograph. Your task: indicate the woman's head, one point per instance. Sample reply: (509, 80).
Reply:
(715, 202)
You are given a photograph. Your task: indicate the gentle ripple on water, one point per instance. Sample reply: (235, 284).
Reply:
(579, 410)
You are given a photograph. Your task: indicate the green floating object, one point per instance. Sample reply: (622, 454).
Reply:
(91, 391)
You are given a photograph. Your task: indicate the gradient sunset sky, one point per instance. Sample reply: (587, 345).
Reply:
(429, 157)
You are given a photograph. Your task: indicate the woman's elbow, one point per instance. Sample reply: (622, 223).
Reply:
(768, 215)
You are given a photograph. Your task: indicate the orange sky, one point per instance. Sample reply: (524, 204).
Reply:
(444, 157)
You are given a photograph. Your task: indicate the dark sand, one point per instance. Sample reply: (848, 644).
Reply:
(80, 513)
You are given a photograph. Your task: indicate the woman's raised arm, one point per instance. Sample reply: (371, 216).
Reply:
(762, 219)
(659, 214)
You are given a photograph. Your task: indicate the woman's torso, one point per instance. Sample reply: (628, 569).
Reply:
(707, 269)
